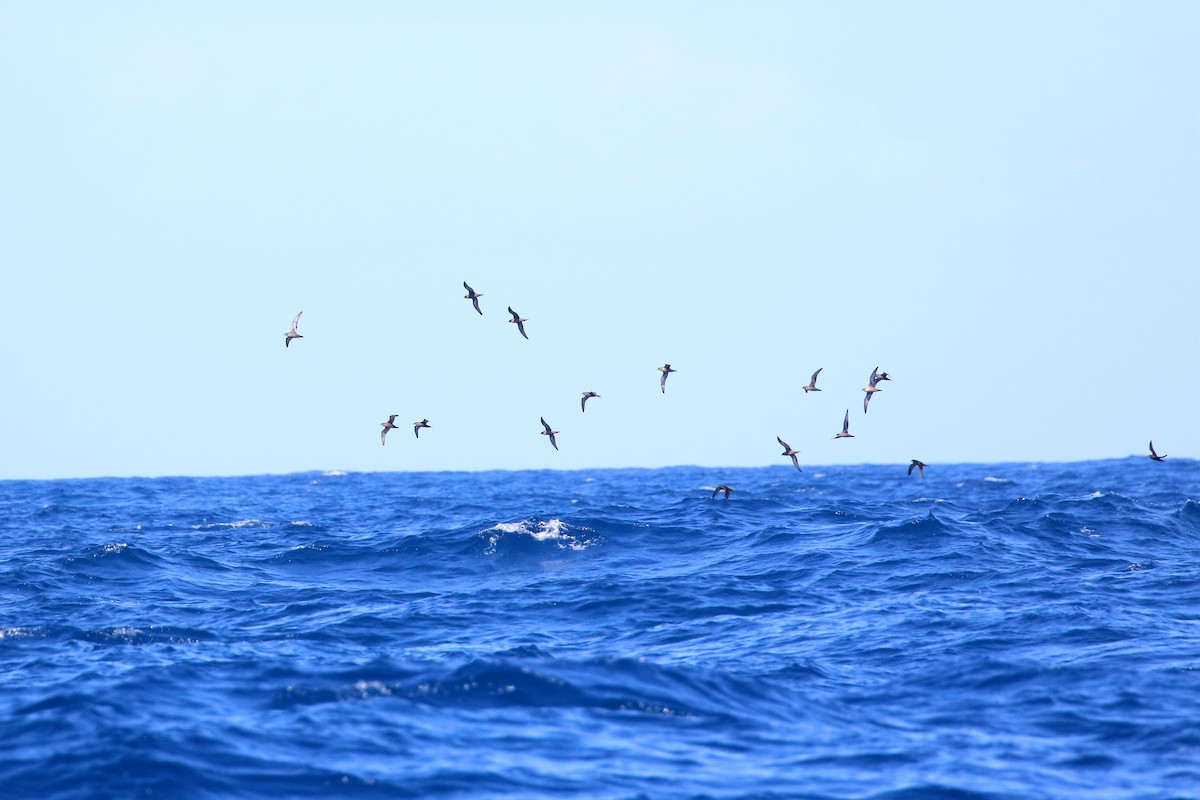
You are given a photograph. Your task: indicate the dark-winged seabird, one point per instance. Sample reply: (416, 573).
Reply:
(722, 488)
(919, 466)
(517, 318)
(845, 434)
(871, 388)
(883, 376)
(548, 432)
(586, 396)
(473, 296)
(1153, 455)
(812, 384)
(387, 426)
(417, 427)
(292, 334)
(788, 451)
(666, 370)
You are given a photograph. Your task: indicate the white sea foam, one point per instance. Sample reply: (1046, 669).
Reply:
(18, 633)
(114, 548)
(224, 526)
(552, 530)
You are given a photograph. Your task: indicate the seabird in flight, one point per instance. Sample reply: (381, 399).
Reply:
(517, 318)
(919, 465)
(845, 434)
(788, 451)
(722, 488)
(473, 296)
(812, 384)
(666, 370)
(417, 427)
(586, 395)
(871, 388)
(1153, 455)
(387, 426)
(292, 334)
(549, 433)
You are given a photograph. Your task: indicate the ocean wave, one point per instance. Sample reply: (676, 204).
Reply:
(554, 531)
(612, 634)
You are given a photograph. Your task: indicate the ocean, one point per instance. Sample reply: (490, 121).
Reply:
(985, 632)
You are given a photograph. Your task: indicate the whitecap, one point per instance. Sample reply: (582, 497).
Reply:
(551, 530)
(224, 526)
(990, 479)
(114, 548)
(18, 633)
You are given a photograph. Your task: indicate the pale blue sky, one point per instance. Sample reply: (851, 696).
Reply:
(997, 203)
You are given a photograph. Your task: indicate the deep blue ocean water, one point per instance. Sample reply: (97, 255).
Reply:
(989, 631)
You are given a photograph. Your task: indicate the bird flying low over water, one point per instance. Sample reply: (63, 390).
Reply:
(517, 318)
(387, 426)
(812, 384)
(845, 434)
(473, 296)
(548, 432)
(1153, 455)
(722, 488)
(788, 451)
(292, 334)
(919, 466)
(666, 370)
(417, 427)
(586, 397)
(871, 388)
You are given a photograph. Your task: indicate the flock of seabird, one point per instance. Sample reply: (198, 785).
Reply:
(870, 389)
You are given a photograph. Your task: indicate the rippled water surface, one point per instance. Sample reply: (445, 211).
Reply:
(990, 631)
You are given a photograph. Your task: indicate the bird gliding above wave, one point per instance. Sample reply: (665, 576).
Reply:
(788, 451)
(387, 426)
(845, 434)
(871, 388)
(548, 432)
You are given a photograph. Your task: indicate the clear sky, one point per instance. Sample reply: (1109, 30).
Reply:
(996, 203)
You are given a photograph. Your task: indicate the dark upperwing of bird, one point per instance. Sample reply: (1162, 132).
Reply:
(919, 465)
(585, 398)
(845, 434)
(788, 451)
(1153, 455)
(548, 432)
(871, 388)
(519, 320)
(417, 427)
(473, 296)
